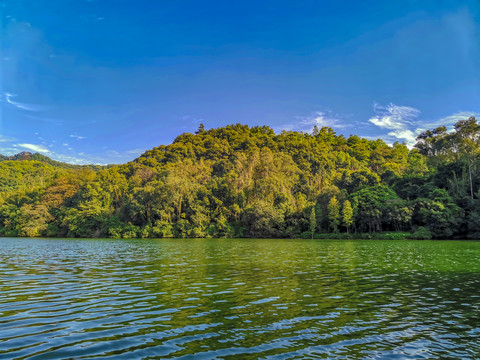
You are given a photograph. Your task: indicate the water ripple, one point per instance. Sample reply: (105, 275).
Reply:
(238, 299)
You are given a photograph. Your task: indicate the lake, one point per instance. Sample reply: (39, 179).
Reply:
(239, 299)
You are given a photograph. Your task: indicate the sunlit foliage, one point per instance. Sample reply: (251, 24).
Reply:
(241, 181)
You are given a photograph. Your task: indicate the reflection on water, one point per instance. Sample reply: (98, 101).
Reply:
(239, 299)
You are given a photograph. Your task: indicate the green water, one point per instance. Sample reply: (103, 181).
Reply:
(239, 299)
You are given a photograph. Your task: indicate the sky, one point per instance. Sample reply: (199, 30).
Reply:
(101, 81)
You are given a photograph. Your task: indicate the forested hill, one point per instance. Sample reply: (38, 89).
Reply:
(241, 181)
(25, 155)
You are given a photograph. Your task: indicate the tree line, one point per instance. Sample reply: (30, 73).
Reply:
(241, 181)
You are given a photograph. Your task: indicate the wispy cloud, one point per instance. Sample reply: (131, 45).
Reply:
(78, 137)
(33, 147)
(7, 97)
(6, 139)
(45, 119)
(191, 119)
(394, 117)
(319, 119)
(91, 18)
(406, 135)
(404, 122)
(449, 120)
(124, 154)
(8, 150)
(135, 151)
(399, 119)
(70, 159)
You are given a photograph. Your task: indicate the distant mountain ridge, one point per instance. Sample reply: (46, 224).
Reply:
(26, 155)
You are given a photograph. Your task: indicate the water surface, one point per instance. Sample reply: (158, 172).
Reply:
(239, 299)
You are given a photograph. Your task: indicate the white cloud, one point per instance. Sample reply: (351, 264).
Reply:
(10, 146)
(404, 123)
(394, 117)
(450, 120)
(78, 137)
(37, 148)
(402, 120)
(70, 159)
(306, 123)
(408, 135)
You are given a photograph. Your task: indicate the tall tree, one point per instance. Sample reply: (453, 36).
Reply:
(347, 215)
(334, 214)
(467, 140)
(313, 221)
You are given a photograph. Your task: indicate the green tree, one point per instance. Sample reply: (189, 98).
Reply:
(33, 220)
(247, 181)
(333, 214)
(312, 221)
(370, 203)
(467, 139)
(347, 215)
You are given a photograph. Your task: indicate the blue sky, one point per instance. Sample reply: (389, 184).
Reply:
(101, 81)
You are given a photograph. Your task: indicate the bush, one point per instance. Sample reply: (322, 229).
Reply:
(336, 236)
(115, 233)
(421, 233)
(365, 236)
(392, 236)
(145, 232)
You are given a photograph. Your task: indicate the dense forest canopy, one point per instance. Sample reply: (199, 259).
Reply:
(241, 181)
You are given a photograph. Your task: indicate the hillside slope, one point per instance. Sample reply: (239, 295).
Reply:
(241, 181)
